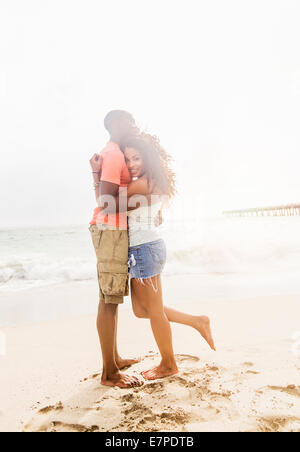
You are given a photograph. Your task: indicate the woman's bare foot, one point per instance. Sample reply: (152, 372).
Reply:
(123, 363)
(202, 324)
(160, 371)
(121, 380)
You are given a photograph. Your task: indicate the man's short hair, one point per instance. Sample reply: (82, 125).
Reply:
(117, 118)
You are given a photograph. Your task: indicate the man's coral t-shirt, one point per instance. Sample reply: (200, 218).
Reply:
(114, 170)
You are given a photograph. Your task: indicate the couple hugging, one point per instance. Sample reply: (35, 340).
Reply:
(133, 181)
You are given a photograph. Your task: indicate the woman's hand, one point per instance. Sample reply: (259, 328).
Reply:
(158, 220)
(96, 163)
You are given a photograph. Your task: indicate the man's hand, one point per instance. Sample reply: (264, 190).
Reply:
(96, 163)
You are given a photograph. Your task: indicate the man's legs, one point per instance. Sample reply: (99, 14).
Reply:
(121, 363)
(107, 325)
(109, 256)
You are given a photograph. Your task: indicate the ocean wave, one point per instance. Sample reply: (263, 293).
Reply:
(209, 258)
(41, 269)
(237, 258)
(217, 247)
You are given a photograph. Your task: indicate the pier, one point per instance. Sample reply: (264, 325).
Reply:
(290, 210)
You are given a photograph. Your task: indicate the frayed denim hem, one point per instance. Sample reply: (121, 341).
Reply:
(142, 281)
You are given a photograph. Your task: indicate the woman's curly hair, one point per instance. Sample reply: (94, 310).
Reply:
(157, 162)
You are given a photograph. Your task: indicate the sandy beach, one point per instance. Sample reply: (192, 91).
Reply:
(50, 374)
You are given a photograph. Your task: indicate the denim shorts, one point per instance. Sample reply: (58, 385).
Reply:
(147, 260)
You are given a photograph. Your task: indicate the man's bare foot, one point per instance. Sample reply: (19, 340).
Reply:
(123, 363)
(202, 324)
(121, 380)
(160, 371)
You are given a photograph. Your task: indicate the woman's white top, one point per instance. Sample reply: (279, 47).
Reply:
(141, 223)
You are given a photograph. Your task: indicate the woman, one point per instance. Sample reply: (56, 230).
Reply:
(153, 184)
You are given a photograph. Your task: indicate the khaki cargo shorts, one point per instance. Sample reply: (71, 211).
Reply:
(111, 247)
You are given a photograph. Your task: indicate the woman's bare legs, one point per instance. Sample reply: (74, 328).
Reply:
(200, 323)
(159, 323)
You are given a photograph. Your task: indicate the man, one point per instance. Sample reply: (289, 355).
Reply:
(110, 239)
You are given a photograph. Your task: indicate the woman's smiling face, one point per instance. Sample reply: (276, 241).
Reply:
(134, 161)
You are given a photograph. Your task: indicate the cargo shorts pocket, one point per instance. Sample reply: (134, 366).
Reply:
(114, 284)
(121, 245)
(96, 236)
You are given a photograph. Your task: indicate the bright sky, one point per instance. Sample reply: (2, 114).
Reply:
(217, 81)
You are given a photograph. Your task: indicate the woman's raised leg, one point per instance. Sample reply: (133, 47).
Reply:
(200, 323)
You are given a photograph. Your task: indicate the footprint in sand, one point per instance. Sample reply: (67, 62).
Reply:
(272, 424)
(290, 389)
(278, 408)
(183, 358)
(153, 387)
(180, 358)
(59, 406)
(57, 426)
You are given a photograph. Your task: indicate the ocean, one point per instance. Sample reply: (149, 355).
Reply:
(261, 253)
